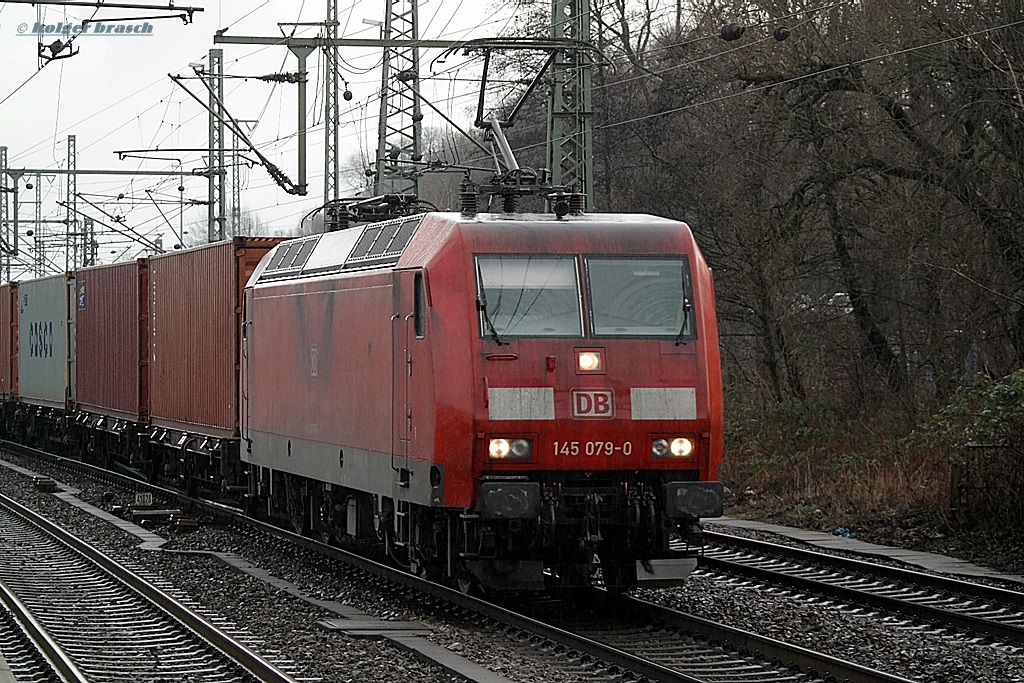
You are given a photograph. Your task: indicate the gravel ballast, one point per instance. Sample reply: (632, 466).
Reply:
(288, 625)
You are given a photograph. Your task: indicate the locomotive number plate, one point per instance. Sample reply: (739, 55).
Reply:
(607, 448)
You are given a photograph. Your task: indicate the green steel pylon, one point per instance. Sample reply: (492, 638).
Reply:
(398, 132)
(570, 126)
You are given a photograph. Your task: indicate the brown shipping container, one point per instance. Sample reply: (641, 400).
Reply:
(195, 323)
(9, 340)
(112, 340)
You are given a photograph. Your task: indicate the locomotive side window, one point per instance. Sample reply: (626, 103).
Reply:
(640, 297)
(528, 296)
(419, 307)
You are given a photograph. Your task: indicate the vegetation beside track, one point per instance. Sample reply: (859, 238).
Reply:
(948, 482)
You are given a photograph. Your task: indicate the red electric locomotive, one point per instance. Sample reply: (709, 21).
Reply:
(513, 400)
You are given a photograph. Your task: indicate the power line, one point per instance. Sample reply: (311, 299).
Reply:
(24, 83)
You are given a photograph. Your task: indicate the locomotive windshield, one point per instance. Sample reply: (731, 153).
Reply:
(638, 297)
(539, 296)
(529, 296)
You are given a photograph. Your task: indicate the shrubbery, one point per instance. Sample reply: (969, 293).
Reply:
(982, 431)
(814, 463)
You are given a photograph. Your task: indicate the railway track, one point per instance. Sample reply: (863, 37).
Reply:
(940, 600)
(22, 659)
(627, 636)
(604, 637)
(684, 648)
(96, 621)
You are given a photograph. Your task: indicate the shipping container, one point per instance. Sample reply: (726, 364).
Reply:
(111, 330)
(195, 323)
(8, 340)
(46, 337)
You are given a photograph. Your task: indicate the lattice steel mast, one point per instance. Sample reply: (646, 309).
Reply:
(216, 207)
(570, 108)
(71, 200)
(332, 114)
(6, 184)
(399, 125)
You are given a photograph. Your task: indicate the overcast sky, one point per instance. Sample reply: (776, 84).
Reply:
(115, 94)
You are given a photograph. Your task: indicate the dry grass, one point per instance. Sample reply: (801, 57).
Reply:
(809, 460)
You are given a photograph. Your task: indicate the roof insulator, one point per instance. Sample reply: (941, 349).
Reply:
(467, 198)
(577, 203)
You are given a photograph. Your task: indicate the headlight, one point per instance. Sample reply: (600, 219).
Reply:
(679, 447)
(589, 361)
(500, 449)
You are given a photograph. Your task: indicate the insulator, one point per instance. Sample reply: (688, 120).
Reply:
(781, 33)
(467, 198)
(577, 203)
(509, 202)
(732, 32)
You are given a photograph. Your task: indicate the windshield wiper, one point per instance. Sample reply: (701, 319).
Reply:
(481, 305)
(686, 307)
(686, 321)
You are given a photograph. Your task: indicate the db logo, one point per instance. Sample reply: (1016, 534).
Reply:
(593, 403)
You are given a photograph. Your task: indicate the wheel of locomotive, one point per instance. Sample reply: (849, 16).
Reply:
(398, 555)
(325, 535)
(614, 578)
(468, 586)
(298, 505)
(319, 516)
(389, 547)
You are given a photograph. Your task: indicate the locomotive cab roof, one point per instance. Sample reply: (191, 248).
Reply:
(400, 242)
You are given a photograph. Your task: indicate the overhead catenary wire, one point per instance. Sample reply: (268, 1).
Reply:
(709, 101)
(261, 49)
